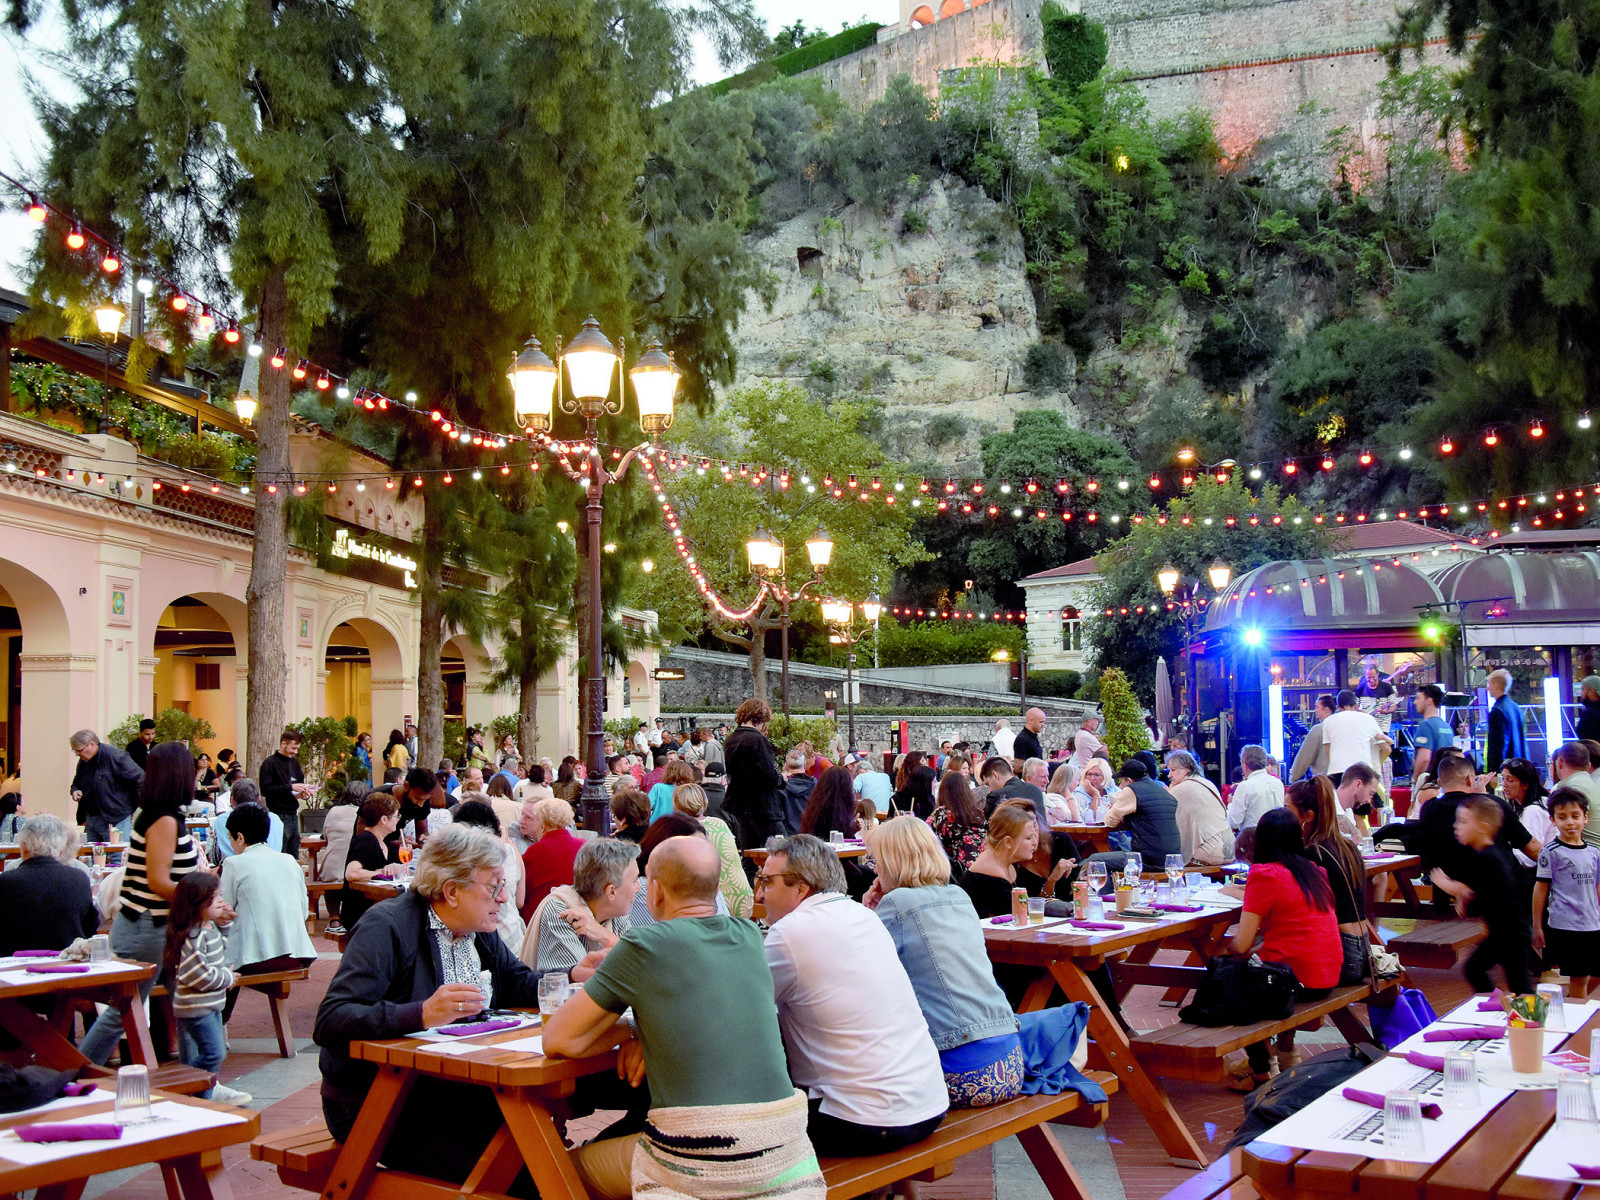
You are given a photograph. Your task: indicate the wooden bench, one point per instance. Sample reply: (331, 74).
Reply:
(305, 1156)
(1437, 944)
(274, 985)
(1222, 1180)
(168, 1077)
(1184, 1051)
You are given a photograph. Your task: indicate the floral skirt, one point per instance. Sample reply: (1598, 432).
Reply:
(985, 1072)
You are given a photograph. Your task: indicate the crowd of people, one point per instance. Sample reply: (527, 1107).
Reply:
(863, 1005)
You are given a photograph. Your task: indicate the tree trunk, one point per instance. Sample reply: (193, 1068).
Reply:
(528, 716)
(430, 682)
(758, 658)
(269, 560)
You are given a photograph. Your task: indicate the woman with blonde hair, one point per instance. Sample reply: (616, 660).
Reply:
(547, 862)
(1012, 838)
(1058, 796)
(939, 940)
(690, 800)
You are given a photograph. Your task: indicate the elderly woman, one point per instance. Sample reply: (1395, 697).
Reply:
(55, 897)
(1089, 797)
(1203, 829)
(424, 959)
(547, 862)
(574, 921)
(940, 943)
(630, 814)
(690, 800)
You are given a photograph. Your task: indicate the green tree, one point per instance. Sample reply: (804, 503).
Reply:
(1125, 733)
(778, 425)
(1218, 529)
(172, 725)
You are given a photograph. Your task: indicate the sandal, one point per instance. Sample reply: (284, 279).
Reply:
(1249, 1082)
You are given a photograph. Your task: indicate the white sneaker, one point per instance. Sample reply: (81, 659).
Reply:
(227, 1095)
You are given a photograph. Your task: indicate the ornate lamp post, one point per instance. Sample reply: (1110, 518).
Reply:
(841, 615)
(108, 320)
(591, 360)
(766, 555)
(1184, 591)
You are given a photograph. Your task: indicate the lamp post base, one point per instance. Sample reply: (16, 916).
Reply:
(595, 807)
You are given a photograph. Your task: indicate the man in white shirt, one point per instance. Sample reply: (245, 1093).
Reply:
(1351, 735)
(857, 1041)
(655, 733)
(641, 739)
(1259, 793)
(1004, 738)
(870, 782)
(1086, 742)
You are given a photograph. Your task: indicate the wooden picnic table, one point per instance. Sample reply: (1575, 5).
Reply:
(1097, 835)
(525, 1084)
(313, 844)
(1064, 956)
(115, 983)
(1481, 1166)
(85, 850)
(1403, 870)
(848, 850)
(179, 1152)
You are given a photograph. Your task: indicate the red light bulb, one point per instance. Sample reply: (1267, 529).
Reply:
(36, 210)
(180, 302)
(111, 264)
(75, 239)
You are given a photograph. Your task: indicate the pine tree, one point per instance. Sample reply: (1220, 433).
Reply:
(1124, 734)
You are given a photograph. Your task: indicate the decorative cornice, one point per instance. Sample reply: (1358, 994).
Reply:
(60, 662)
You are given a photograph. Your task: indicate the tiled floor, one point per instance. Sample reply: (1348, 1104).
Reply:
(1136, 1168)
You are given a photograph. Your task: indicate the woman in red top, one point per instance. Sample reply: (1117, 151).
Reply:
(1287, 901)
(547, 862)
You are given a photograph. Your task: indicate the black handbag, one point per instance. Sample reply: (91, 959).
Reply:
(1240, 991)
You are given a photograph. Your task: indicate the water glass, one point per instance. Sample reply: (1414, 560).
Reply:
(486, 986)
(1368, 846)
(133, 1095)
(1460, 1079)
(1133, 865)
(1555, 1016)
(836, 838)
(1402, 1123)
(552, 992)
(1594, 1052)
(1574, 1103)
(1035, 910)
(100, 948)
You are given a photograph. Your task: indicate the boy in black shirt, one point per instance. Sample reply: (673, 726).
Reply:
(1487, 887)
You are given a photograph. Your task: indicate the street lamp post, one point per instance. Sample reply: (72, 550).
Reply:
(766, 555)
(590, 360)
(108, 320)
(841, 615)
(1184, 591)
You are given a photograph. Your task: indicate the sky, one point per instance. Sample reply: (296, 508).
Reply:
(22, 143)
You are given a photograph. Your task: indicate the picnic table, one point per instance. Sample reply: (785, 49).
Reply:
(115, 983)
(186, 1130)
(85, 849)
(313, 844)
(1498, 1157)
(1403, 870)
(1097, 835)
(849, 849)
(1064, 955)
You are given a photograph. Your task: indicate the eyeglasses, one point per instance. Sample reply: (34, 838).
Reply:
(497, 891)
(763, 879)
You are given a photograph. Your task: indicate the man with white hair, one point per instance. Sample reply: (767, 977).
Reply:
(1507, 738)
(1086, 742)
(1004, 739)
(50, 904)
(1260, 792)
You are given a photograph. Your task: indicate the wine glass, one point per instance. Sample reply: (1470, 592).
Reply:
(1094, 873)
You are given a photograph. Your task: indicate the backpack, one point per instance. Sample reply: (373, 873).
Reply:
(1297, 1087)
(1237, 991)
(1410, 1013)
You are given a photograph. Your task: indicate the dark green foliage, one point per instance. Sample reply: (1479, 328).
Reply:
(1355, 375)
(815, 53)
(933, 643)
(1047, 367)
(1062, 684)
(1074, 46)
(913, 223)
(1235, 345)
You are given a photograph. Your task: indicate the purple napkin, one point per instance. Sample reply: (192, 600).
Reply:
(1418, 1059)
(381, 879)
(1178, 907)
(1585, 1172)
(1378, 857)
(1079, 924)
(1469, 1034)
(1373, 1100)
(82, 1088)
(58, 968)
(76, 1132)
(476, 1027)
(1001, 920)
(1490, 1006)
(33, 954)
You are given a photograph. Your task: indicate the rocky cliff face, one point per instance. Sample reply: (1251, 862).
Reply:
(926, 307)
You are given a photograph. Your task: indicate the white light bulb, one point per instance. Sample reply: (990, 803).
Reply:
(145, 286)
(899, 486)
(342, 391)
(477, 474)
(1255, 472)
(1405, 452)
(255, 350)
(361, 485)
(411, 397)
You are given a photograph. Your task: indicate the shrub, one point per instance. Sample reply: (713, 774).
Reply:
(1074, 46)
(1124, 733)
(325, 751)
(1062, 684)
(1047, 367)
(785, 734)
(814, 54)
(913, 222)
(172, 725)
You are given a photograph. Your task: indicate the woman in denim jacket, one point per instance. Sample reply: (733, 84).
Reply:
(939, 938)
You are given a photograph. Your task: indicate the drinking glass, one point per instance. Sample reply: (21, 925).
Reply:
(100, 948)
(552, 992)
(1460, 1079)
(1594, 1052)
(133, 1095)
(1133, 865)
(1368, 846)
(836, 838)
(1555, 1016)
(1035, 910)
(1402, 1122)
(1574, 1103)
(1094, 873)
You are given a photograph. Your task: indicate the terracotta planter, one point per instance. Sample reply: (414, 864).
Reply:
(1527, 1049)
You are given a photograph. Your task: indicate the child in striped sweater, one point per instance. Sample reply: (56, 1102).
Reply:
(193, 963)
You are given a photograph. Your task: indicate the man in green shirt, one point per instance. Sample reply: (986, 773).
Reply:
(707, 1038)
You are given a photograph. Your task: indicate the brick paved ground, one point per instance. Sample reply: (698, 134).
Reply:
(1122, 1161)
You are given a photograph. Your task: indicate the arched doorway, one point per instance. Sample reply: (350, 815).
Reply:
(922, 16)
(638, 701)
(46, 687)
(347, 682)
(196, 657)
(466, 668)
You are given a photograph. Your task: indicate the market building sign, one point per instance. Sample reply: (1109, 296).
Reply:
(368, 557)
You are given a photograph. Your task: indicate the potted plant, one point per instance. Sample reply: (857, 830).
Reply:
(1525, 1016)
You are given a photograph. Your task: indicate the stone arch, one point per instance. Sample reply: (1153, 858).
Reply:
(467, 668)
(387, 681)
(199, 663)
(951, 8)
(642, 704)
(55, 692)
(922, 16)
